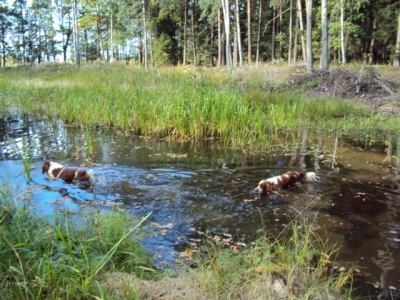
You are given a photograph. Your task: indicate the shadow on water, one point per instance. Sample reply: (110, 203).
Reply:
(197, 187)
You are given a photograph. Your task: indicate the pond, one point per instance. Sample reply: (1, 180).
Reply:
(191, 188)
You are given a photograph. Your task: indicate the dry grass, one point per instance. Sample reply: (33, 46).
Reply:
(125, 286)
(296, 264)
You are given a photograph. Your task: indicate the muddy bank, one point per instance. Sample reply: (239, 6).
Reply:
(371, 86)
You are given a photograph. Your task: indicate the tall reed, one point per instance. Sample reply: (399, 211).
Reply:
(173, 104)
(61, 257)
(296, 264)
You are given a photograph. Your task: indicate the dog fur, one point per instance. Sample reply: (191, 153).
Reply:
(285, 181)
(57, 171)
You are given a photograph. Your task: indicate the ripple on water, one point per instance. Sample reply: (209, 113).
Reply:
(355, 203)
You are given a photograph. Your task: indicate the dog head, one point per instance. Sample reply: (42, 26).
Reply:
(300, 176)
(264, 187)
(46, 166)
(82, 175)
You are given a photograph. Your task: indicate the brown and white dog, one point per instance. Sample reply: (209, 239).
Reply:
(285, 181)
(56, 171)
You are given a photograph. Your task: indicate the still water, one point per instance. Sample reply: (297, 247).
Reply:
(191, 188)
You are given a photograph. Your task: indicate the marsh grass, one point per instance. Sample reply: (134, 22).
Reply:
(188, 104)
(24, 152)
(295, 264)
(61, 257)
(26, 158)
(96, 255)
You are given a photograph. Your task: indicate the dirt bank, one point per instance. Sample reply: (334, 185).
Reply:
(372, 86)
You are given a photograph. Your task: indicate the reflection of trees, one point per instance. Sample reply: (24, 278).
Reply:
(303, 149)
(398, 155)
(335, 150)
(318, 153)
(15, 136)
(388, 161)
(23, 135)
(298, 157)
(385, 258)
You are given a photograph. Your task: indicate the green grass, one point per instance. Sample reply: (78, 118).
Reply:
(297, 257)
(93, 255)
(189, 104)
(61, 257)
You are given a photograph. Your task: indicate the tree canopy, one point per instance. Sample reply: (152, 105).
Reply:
(199, 32)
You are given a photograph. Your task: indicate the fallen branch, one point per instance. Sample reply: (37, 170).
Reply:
(385, 87)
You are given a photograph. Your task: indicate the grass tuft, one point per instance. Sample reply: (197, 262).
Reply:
(295, 264)
(61, 258)
(181, 104)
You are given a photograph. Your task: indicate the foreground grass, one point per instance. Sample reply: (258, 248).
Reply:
(97, 256)
(62, 257)
(186, 104)
(295, 264)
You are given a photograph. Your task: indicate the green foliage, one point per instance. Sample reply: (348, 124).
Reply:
(297, 257)
(164, 51)
(191, 105)
(26, 158)
(120, 23)
(62, 257)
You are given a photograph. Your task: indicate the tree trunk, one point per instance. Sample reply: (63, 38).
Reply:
(77, 55)
(112, 37)
(235, 48)
(372, 45)
(212, 46)
(309, 38)
(325, 41)
(219, 62)
(140, 48)
(249, 58)
(3, 45)
(194, 33)
(150, 49)
(259, 32)
(273, 34)
(86, 43)
(303, 43)
(290, 31)
(342, 31)
(397, 53)
(184, 32)
(238, 32)
(296, 40)
(280, 30)
(146, 67)
(228, 54)
(30, 47)
(98, 55)
(398, 155)
(66, 33)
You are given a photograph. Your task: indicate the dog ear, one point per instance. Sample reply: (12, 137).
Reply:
(302, 177)
(83, 176)
(266, 186)
(46, 166)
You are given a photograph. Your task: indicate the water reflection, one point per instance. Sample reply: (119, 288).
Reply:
(205, 186)
(385, 257)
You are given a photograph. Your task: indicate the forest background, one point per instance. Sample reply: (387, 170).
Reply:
(154, 33)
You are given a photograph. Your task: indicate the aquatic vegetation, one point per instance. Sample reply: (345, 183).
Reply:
(58, 257)
(182, 105)
(97, 257)
(26, 160)
(295, 264)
